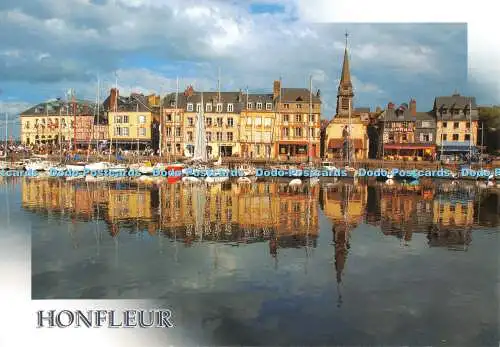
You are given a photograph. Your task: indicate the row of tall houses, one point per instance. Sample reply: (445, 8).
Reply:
(279, 125)
(448, 130)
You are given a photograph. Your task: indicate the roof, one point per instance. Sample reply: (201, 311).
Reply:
(53, 107)
(428, 116)
(132, 103)
(235, 98)
(398, 114)
(298, 95)
(454, 101)
(362, 110)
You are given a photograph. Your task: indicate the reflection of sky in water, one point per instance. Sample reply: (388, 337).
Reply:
(391, 293)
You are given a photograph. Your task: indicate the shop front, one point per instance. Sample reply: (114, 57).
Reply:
(394, 151)
(457, 151)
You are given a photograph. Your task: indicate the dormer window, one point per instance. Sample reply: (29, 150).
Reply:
(198, 107)
(172, 103)
(269, 106)
(259, 106)
(190, 107)
(219, 107)
(230, 107)
(208, 107)
(249, 105)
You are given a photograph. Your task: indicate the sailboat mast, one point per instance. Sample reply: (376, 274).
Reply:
(98, 110)
(309, 120)
(175, 113)
(160, 132)
(470, 131)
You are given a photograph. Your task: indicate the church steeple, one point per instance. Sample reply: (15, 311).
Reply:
(345, 91)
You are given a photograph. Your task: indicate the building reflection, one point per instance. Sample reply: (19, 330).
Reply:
(263, 212)
(271, 212)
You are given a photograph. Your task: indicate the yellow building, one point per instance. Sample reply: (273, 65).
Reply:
(457, 125)
(53, 121)
(346, 135)
(297, 131)
(129, 120)
(258, 127)
(221, 112)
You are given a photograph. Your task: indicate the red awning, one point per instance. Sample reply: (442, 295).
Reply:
(339, 143)
(408, 146)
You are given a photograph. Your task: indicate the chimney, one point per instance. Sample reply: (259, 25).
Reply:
(413, 107)
(113, 98)
(189, 91)
(276, 89)
(390, 105)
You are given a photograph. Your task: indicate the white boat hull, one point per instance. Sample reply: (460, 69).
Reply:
(79, 168)
(295, 182)
(216, 179)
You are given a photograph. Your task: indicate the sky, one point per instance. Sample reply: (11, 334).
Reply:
(49, 46)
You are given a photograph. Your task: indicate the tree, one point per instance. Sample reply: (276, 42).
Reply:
(490, 120)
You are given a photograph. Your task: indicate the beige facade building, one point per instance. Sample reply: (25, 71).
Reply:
(346, 135)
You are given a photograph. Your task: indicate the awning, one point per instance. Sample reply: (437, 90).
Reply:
(458, 149)
(461, 144)
(408, 146)
(339, 143)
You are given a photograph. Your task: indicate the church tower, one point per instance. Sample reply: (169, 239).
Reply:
(345, 91)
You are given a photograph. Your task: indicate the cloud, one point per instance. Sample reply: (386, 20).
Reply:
(56, 45)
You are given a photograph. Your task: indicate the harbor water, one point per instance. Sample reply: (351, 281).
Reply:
(341, 263)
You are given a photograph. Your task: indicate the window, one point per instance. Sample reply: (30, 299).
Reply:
(168, 118)
(258, 122)
(209, 136)
(267, 122)
(190, 121)
(230, 122)
(168, 131)
(404, 137)
(178, 131)
(249, 105)
(219, 136)
(230, 108)
(285, 118)
(269, 106)
(445, 124)
(172, 103)
(467, 125)
(298, 105)
(198, 107)
(286, 132)
(142, 119)
(27, 125)
(219, 107)
(208, 107)
(249, 121)
(311, 132)
(425, 138)
(312, 118)
(190, 107)
(118, 119)
(142, 131)
(125, 119)
(190, 136)
(426, 124)
(298, 132)
(298, 118)
(208, 122)
(259, 106)
(286, 106)
(445, 137)
(125, 131)
(467, 137)
(230, 136)
(219, 121)
(455, 137)
(456, 125)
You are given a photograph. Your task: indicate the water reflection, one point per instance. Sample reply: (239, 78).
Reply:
(237, 261)
(270, 211)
